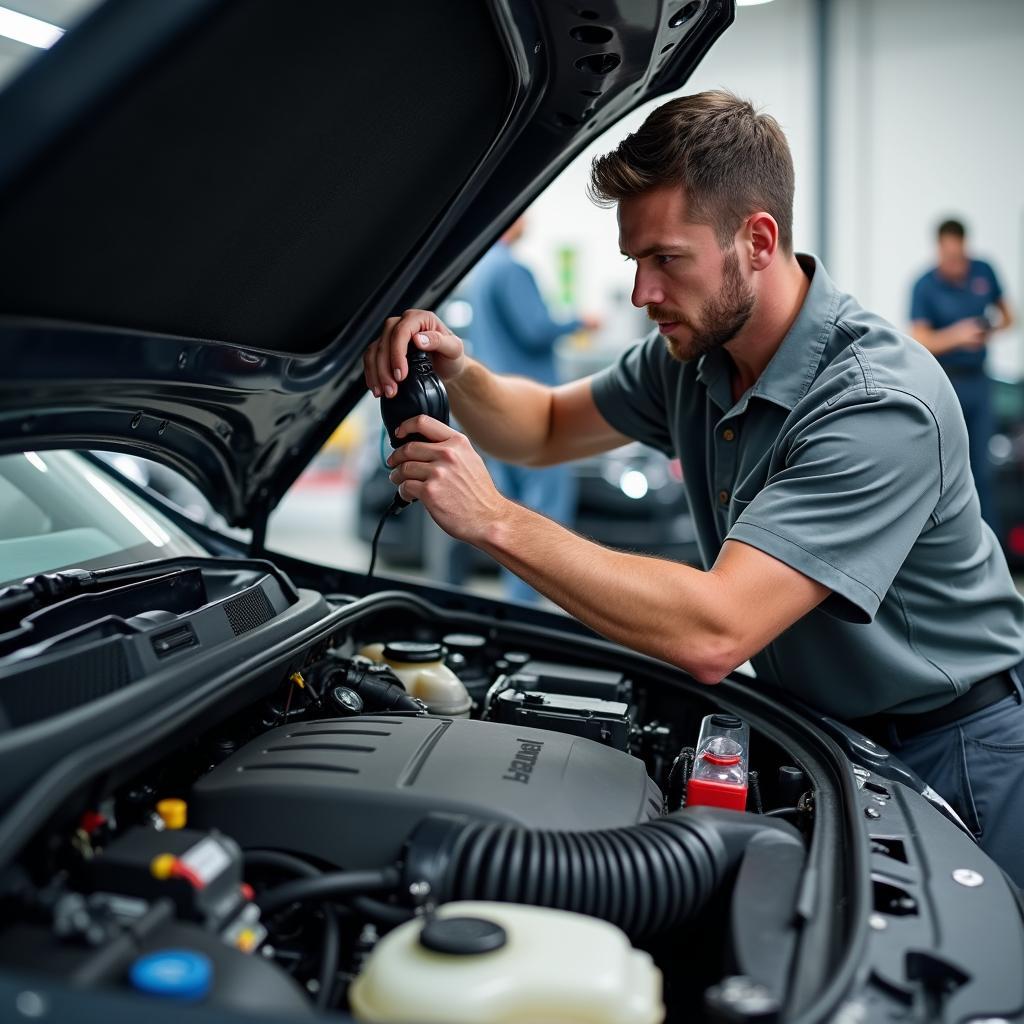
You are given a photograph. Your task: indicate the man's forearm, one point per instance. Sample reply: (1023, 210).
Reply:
(660, 608)
(507, 417)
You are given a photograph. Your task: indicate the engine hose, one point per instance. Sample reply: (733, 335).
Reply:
(645, 878)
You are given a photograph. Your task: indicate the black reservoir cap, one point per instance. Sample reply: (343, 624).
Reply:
(462, 936)
(413, 652)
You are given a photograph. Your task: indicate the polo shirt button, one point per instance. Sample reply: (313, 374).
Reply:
(728, 434)
(723, 497)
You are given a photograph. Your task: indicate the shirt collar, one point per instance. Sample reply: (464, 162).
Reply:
(791, 371)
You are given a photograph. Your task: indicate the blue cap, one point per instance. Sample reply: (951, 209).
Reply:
(173, 974)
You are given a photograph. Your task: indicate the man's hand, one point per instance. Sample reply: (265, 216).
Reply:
(385, 360)
(448, 477)
(968, 334)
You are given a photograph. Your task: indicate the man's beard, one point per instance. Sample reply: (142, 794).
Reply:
(722, 316)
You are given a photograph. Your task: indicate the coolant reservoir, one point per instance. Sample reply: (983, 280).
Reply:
(499, 963)
(424, 674)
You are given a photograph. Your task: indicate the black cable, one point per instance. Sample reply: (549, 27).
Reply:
(333, 885)
(678, 777)
(384, 915)
(331, 947)
(396, 506)
(754, 801)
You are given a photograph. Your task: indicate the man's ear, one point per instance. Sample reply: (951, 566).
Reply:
(760, 237)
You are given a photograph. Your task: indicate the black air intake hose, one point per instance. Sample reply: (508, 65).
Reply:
(645, 879)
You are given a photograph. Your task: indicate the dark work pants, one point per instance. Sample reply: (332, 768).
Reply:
(974, 390)
(977, 764)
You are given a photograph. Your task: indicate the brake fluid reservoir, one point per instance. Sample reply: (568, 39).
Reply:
(719, 775)
(424, 674)
(497, 963)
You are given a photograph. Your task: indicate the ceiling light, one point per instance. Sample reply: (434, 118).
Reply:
(31, 31)
(751, 3)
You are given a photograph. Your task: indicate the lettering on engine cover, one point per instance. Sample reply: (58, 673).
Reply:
(524, 762)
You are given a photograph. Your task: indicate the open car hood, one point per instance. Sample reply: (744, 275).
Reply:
(208, 207)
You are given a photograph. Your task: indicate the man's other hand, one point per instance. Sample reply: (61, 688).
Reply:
(448, 477)
(385, 363)
(969, 334)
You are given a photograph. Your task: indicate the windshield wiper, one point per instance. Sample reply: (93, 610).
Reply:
(21, 599)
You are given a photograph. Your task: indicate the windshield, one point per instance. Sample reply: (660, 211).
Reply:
(28, 28)
(58, 510)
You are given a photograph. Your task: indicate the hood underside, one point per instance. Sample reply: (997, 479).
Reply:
(207, 208)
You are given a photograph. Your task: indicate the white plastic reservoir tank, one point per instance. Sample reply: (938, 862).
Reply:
(477, 962)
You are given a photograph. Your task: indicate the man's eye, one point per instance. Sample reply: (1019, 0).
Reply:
(665, 258)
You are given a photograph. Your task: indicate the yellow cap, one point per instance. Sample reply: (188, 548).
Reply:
(174, 812)
(162, 866)
(298, 679)
(246, 941)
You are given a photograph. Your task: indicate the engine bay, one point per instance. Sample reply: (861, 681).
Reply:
(395, 791)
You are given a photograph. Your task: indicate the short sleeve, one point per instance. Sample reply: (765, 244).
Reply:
(920, 307)
(858, 487)
(997, 288)
(631, 394)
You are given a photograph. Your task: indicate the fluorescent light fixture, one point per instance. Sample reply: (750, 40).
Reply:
(37, 462)
(31, 31)
(751, 3)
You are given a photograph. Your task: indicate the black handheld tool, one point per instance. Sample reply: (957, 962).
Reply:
(421, 392)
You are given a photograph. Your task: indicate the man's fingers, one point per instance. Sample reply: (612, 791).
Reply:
(412, 490)
(370, 371)
(382, 357)
(428, 427)
(415, 451)
(448, 345)
(410, 471)
(372, 360)
(386, 361)
(411, 322)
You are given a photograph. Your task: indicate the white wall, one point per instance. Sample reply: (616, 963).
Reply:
(926, 121)
(928, 124)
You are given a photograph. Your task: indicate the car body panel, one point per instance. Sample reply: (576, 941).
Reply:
(201, 241)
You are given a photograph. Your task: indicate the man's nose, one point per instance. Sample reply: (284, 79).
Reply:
(646, 290)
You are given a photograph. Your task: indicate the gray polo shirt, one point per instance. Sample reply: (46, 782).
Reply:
(847, 460)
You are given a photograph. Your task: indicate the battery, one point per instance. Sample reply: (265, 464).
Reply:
(605, 721)
(551, 677)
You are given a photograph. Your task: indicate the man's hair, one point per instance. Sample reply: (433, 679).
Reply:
(951, 227)
(729, 159)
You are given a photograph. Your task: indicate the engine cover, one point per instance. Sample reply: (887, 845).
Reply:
(349, 791)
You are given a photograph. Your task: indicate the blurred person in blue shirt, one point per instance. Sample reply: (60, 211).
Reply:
(954, 309)
(512, 332)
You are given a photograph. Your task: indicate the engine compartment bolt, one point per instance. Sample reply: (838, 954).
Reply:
(968, 877)
(30, 1004)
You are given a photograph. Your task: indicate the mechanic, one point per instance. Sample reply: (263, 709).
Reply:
(826, 467)
(954, 309)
